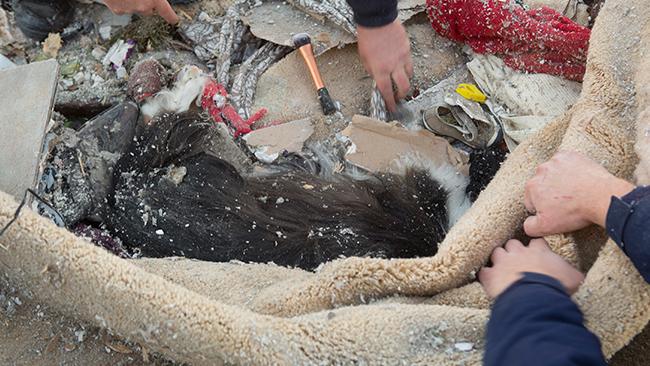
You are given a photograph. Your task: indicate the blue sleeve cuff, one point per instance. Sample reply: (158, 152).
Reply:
(374, 13)
(627, 224)
(620, 210)
(533, 278)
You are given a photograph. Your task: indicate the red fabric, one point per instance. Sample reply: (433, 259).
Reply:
(226, 112)
(540, 40)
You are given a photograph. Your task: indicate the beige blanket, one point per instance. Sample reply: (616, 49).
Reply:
(368, 311)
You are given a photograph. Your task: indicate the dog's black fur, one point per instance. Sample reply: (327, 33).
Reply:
(295, 216)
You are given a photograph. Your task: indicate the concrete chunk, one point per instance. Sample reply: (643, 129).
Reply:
(268, 143)
(26, 98)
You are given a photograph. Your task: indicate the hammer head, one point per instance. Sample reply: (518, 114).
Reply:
(300, 40)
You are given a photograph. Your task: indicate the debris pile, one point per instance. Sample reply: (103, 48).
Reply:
(235, 67)
(228, 107)
(218, 65)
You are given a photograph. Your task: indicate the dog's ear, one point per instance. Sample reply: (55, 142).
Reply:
(188, 136)
(171, 139)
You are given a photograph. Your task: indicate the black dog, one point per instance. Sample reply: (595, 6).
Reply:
(171, 198)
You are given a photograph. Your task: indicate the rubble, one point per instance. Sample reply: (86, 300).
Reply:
(352, 88)
(236, 72)
(289, 20)
(243, 73)
(6, 63)
(38, 18)
(148, 77)
(267, 144)
(109, 24)
(329, 22)
(52, 45)
(81, 162)
(6, 34)
(118, 53)
(523, 102)
(25, 120)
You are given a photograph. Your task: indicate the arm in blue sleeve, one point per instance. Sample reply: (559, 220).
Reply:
(373, 13)
(628, 223)
(534, 322)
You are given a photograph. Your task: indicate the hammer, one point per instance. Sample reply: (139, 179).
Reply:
(302, 42)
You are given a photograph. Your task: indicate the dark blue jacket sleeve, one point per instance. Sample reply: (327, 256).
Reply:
(534, 322)
(628, 223)
(373, 13)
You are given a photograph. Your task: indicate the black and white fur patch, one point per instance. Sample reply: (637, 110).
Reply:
(171, 198)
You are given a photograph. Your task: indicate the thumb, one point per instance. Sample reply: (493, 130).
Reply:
(533, 227)
(166, 11)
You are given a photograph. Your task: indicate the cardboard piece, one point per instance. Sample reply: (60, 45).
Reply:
(377, 145)
(268, 143)
(25, 106)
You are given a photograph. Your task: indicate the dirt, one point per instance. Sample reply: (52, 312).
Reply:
(54, 339)
(434, 57)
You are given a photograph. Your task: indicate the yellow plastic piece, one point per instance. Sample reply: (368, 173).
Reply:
(471, 92)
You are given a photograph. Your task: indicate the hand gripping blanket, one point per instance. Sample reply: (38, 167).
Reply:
(355, 310)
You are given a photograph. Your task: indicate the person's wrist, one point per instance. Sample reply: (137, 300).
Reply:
(367, 29)
(597, 211)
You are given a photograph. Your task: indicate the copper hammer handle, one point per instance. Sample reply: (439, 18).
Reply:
(308, 54)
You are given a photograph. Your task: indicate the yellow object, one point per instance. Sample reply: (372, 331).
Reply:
(471, 92)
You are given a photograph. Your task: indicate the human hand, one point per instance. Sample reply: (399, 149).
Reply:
(386, 54)
(569, 192)
(509, 264)
(143, 7)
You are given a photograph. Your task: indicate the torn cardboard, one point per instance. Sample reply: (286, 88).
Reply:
(376, 145)
(268, 143)
(25, 110)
